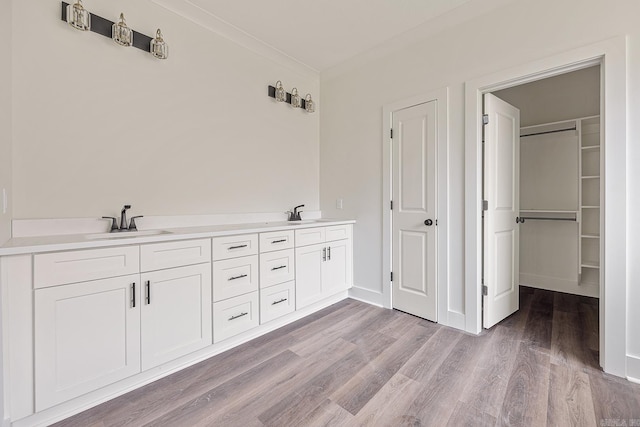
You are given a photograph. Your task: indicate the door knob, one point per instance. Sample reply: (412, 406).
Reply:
(428, 222)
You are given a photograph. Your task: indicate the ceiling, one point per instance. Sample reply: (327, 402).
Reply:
(321, 33)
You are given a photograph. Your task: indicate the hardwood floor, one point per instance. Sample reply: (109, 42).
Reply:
(357, 365)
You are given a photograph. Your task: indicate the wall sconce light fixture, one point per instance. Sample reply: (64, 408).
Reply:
(281, 95)
(309, 105)
(122, 34)
(296, 100)
(159, 48)
(78, 17)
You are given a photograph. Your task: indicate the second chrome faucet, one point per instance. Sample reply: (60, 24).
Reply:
(123, 221)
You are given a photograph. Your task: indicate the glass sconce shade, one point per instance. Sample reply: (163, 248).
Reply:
(309, 104)
(159, 48)
(78, 17)
(122, 34)
(296, 100)
(281, 95)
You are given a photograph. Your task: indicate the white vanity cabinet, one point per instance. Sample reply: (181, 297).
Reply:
(235, 285)
(323, 258)
(277, 275)
(175, 302)
(86, 334)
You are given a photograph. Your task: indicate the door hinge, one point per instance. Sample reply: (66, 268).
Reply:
(391, 205)
(485, 290)
(485, 205)
(392, 276)
(485, 119)
(391, 133)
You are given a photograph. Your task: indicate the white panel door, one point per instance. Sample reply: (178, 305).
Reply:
(176, 313)
(501, 191)
(337, 267)
(309, 269)
(87, 335)
(414, 211)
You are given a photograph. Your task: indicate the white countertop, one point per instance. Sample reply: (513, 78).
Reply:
(36, 244)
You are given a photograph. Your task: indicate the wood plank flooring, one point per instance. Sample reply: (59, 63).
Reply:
(357, 365)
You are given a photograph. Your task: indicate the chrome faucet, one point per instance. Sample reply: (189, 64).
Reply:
(123, 221)
(295, 214)
(123, 218)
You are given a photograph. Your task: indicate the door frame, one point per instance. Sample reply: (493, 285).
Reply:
(441, 96)
(611, 56)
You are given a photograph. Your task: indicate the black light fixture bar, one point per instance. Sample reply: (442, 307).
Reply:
(102, 26)
(272, 94)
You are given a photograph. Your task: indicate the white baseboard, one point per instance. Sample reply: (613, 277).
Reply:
(633, 368)
(559, 285)
(368, 296)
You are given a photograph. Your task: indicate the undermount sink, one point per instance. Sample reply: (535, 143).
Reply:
(125, 234)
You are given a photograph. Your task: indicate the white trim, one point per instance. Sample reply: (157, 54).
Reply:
(444, 316)
(206, 19)
(611, 54)
(368, 296)
(633, 368)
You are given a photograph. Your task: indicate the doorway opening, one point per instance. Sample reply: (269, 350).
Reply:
(543, 187)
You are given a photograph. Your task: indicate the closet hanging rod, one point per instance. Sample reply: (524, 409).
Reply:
(549, 131)
(544, 218)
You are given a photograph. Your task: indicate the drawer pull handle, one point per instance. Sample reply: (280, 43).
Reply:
(278, 268)
(133, 295)
(238, 316)
(329, 253)
(279, 301)
(278, 241)
(236, 247)
(237, 277)
(148, 292)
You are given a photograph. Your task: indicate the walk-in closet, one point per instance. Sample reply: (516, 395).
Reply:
(560, 182)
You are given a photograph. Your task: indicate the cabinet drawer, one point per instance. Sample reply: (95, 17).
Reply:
(310, 236)
(79, 266)
(158, 256)
(277, 301)
(234, 246)
(276, 240)
(276, 267)
(233, 277)
(337, 232)
(234, 316)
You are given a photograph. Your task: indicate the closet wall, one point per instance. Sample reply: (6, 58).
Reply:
(559, 181)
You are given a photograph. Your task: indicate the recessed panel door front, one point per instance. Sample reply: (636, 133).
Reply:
(501, 191)
(414, 211)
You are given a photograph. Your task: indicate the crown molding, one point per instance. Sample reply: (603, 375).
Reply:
(191, 12)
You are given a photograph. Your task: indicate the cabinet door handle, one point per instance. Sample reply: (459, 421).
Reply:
(329, 253)
(236, 247)
(278, 241)
(148, 290)
(133, 295)
(278, 268)
(237, 277)
(279, 301)
(238, 316)
(324, 254)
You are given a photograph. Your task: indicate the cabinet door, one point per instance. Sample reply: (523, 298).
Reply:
(309, 266)
(337, 268)
(87, 335)
(176, 313)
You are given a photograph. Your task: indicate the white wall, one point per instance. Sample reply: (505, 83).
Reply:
(5, 120)
(5, 157)
(564, 97)
(97, 125)
(522, 32)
